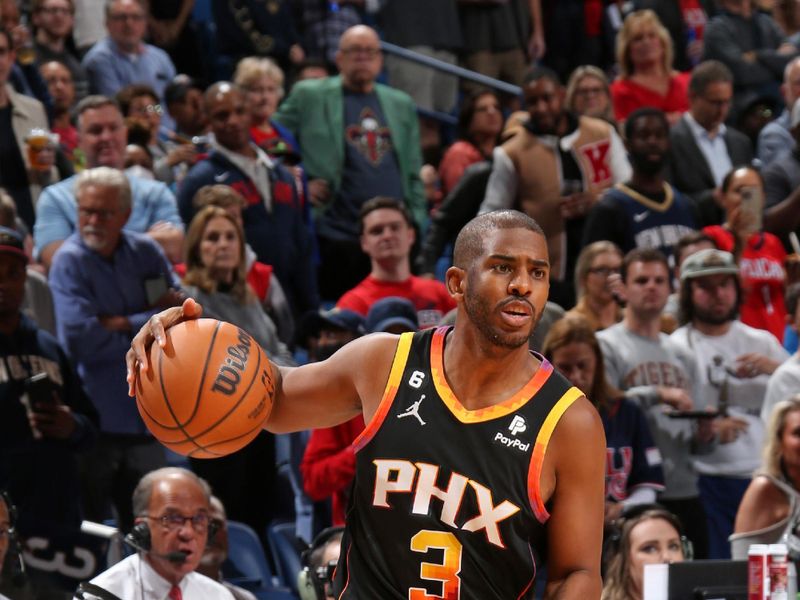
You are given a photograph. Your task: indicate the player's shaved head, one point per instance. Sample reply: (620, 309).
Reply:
(469, 243)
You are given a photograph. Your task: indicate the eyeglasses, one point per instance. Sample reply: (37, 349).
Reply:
(101, 214)
(175, 521)
(369, 52)
(325, 572)
(604, 271)
(590, 91)
(149, 109)
(126, 17)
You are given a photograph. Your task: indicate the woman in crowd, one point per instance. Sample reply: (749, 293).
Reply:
(260, 277)
(770, 509)
(644, 55)
(648, 535)
(573, 349)
(596, 279)
(139, 103)
(216, 276)
(262, 80)
(480, 122)
(588, 93)
(760, 255)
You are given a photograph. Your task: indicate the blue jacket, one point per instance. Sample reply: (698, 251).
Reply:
(279, 237)
(85, 287)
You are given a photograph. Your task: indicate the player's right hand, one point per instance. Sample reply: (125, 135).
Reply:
(154, 330)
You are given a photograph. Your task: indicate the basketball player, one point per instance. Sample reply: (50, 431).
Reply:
(501, 462)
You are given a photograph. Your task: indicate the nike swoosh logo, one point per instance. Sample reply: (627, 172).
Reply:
(639, 217)
(221, 177)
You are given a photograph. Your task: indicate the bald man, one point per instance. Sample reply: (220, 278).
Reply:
(273, 216)
(360, 139)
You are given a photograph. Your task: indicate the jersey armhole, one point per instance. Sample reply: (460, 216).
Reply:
(540, 448)
(389, 392)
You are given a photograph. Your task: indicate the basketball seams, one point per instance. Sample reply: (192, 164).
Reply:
(205, 371)
(241, 399)
(180, 426)
(225, 441)
(251, 401)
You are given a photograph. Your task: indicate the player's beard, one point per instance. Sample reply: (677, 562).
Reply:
(479, 312)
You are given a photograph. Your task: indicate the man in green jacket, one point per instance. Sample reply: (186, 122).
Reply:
(359, 139)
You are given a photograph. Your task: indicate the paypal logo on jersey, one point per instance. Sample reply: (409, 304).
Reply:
(517, 426)
(511, 442)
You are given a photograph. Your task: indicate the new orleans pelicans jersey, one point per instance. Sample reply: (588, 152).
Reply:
(445, 503)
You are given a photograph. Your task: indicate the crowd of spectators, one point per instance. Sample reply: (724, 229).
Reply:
(258, 157)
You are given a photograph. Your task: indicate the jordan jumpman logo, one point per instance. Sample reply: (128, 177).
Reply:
(414, 410)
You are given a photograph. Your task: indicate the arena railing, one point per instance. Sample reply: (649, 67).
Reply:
(455, 70)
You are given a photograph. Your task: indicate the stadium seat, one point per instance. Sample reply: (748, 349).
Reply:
(247, 565)
(283, 544)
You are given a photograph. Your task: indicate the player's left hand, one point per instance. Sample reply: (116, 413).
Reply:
(154, 330)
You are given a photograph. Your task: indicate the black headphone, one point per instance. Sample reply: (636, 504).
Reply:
(630, 516)
(311, 580)
(139, 538)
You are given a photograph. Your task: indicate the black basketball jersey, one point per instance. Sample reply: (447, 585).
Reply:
(445, 502)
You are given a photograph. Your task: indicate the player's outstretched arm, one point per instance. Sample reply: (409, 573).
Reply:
(153, 331)
(575, 528)
(335, 390)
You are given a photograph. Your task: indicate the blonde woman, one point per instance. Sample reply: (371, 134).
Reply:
(262, 80)
(770, 509)
(589, 93)
(644, 57)
(597, 277)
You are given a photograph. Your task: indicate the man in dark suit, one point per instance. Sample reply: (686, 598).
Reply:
(703, 149)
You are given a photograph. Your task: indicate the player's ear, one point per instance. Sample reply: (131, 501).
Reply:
(454, 280)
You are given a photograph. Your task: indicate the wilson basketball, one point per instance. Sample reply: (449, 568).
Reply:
(208, 392)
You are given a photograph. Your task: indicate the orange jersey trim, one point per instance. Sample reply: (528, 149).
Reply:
(347, 581)
(482, 414)
(533, 577)
(540, 448)
(389, 392)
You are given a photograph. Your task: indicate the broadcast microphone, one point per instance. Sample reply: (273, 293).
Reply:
(177, 557)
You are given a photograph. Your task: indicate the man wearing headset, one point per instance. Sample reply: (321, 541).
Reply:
(315, 581)
(171, 508)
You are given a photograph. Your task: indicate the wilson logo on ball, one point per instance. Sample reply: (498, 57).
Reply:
(230, 373)
(208, 391)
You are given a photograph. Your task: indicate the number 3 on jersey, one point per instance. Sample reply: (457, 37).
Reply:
(445, 572)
